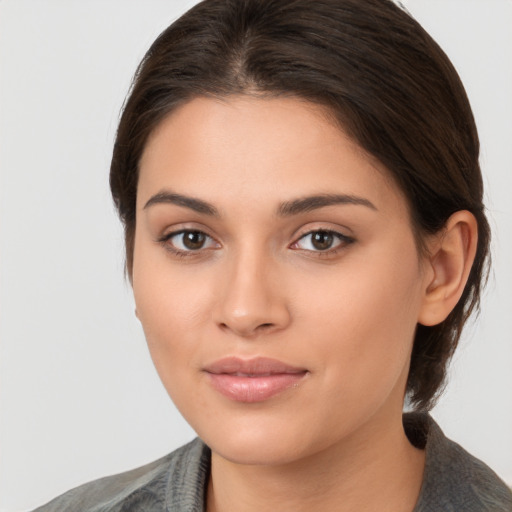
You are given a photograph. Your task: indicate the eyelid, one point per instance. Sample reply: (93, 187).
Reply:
(166, 238)
(166, 232)
(343, 240)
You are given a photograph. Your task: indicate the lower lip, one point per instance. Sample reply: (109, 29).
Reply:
(254, 389)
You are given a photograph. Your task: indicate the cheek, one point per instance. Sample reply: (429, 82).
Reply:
(172, 312)
(172, 302)
(366, 317)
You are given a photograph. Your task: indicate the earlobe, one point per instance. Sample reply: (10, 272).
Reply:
(452, 253)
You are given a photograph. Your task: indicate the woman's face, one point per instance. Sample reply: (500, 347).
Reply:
(276, 277)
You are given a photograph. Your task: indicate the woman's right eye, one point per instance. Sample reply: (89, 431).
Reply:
(188, 240)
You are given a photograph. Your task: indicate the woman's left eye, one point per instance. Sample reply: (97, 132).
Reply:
(321, 240)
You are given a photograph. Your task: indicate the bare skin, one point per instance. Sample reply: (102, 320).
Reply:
(263, 231)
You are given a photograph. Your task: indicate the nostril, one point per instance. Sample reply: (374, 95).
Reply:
(264, 327)
(247, 330)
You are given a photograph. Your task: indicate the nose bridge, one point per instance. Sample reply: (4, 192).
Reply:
(252, 300)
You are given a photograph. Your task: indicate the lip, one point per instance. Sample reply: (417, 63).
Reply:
(252, 380)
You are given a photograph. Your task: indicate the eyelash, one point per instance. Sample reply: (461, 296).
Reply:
(343, 240)
(165, 241)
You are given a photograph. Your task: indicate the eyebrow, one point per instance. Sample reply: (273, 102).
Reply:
(286, 209)
(309, 203)
(197, 205)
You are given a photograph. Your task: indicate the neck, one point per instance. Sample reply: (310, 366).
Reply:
(376, 469)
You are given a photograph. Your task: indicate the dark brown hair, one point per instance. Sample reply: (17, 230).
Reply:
(377, 72)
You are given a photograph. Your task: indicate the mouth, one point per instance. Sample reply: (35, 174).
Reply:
(252, 380)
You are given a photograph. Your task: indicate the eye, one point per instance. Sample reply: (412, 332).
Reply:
(321, 240)
(189, 241)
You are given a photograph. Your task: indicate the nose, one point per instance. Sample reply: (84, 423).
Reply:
(252, 300)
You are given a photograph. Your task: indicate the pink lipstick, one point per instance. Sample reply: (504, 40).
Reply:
(252, 380)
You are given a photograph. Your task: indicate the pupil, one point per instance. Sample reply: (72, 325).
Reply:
(322, 240)
(193, 239)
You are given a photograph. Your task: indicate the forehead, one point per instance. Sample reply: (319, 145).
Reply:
(245, 147)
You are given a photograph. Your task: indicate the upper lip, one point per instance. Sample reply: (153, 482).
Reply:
(258, 366)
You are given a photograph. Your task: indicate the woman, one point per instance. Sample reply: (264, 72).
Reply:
(305, 237)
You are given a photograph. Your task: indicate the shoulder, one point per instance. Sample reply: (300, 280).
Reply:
(174, 482)
(454, 479)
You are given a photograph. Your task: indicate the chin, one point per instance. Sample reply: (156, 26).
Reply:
(257, 452)
(262, 443)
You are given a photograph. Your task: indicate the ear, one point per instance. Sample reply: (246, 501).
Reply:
(452, 252)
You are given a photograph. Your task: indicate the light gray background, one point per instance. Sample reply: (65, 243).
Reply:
(79, 396)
